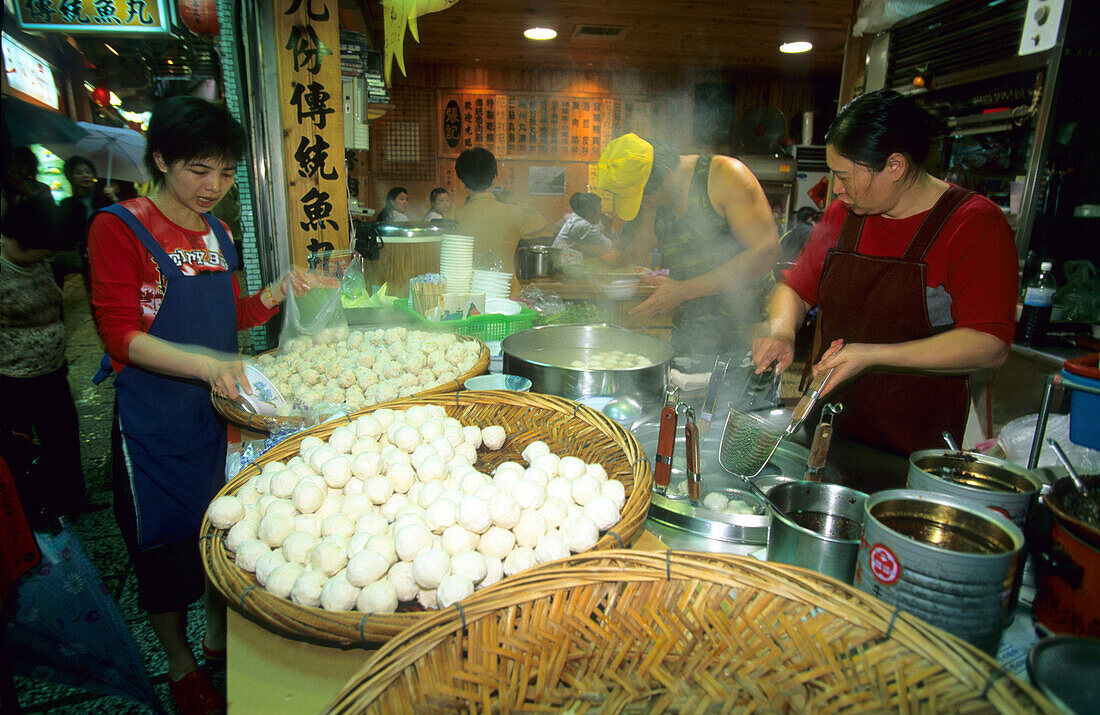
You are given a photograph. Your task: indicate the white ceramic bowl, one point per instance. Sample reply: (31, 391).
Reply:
(502, 306)
(265, 399)
(620, 288)
(515, 383)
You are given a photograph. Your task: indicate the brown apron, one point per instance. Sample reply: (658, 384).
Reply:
(872, 299)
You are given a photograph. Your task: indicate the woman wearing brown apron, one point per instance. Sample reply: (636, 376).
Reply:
(915, 281)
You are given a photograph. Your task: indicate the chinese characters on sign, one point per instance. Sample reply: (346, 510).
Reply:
(308, 73)
(118, 17)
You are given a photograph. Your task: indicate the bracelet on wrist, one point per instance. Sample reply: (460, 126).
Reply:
(270, 296)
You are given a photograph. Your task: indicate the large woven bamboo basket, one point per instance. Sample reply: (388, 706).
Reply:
(236, 414)
(639, 632)
(564, 425)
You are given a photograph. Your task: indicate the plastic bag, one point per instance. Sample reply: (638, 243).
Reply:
(1079, 299)
(1016, 438)
(543, 302)
(318, 314)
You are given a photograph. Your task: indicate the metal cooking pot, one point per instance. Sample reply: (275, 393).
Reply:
(1069, 566)
(818, 527)
(978, 479)
(536, 261)
(544, 354)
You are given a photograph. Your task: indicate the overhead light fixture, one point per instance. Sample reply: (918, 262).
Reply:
(540, 33)
(792, 48)
(113, 50)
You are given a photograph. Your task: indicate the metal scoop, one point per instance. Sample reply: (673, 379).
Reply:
(1073, 475)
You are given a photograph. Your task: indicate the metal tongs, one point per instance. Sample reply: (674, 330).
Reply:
(666, 443)
(819, 447)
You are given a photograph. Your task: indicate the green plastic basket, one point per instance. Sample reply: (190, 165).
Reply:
(483, 327)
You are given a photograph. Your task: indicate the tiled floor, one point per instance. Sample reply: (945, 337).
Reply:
(99, 533)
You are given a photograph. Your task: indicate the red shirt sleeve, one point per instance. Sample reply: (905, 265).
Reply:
(116, 260)
(251, 310)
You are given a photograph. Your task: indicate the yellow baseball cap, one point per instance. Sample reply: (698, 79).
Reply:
(623, 171)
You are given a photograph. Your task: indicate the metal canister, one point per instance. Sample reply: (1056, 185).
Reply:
(977, 479)
(942, 559)
(816, 526)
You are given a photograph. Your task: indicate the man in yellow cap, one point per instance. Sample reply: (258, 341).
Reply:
(713, 226)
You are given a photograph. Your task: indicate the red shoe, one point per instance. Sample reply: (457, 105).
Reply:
(196, 695)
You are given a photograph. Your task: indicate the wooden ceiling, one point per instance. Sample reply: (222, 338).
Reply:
(658, 36)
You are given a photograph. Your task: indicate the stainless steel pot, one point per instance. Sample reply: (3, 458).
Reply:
(536, 261)
(544, 354)
(818, 527)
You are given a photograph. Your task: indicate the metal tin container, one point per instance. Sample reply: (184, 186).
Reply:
(544, 354)
(818, 527)
(977, 479)
(942, 559)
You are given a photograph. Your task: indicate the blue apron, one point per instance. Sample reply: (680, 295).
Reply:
(173, 442)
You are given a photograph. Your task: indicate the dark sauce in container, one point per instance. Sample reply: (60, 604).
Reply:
(943, 534)
(830, 525)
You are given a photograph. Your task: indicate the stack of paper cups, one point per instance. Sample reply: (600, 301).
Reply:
(456, 260)
(495, 284)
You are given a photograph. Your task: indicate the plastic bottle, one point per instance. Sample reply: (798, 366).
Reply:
(1038, 303)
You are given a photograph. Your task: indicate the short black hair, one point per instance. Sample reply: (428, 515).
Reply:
(32, 222)
(73, 162)
(393, 193)
(875, 125)
(584, 203)
(476, 168)
(436, 193)
(807, 214)
(185, 128)
(665, 160)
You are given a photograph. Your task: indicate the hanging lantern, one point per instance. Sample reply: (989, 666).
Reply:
(101, 96)
(199, 16)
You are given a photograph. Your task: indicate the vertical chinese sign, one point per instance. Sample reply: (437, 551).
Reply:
(311, 106)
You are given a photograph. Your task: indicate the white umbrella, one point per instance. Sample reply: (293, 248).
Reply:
(116, 152)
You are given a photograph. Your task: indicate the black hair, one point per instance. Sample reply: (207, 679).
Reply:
(584, 203)
(186, 128)
(24, 158)
(665, 160)
(436, 193)
(73, 162)
(32, 222)
(878, 124)
(807, 214)
(393, 193)
(476, 168)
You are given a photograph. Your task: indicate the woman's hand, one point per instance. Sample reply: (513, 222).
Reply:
(847, 360)
(226, 377)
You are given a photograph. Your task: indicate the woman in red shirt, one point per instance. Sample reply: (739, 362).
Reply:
(168, 308)
(915, 281)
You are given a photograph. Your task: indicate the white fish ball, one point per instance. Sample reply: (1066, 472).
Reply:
(385, 545)
(596, 470)
(470, 564)
(366, 567)
(341, 439)
(378, 597)
(603, 512)
(366, 465)
(472, 435)
(529, 494)
(431, 429)
(328, 557)
(248, 494)
(357, 543)
(365, 444)
(411, 540)
(561, 488)
(283, 483)
(536, 475)
(547, 463)
(263, 481)
(400, 575)
(452, 494)
(441, 514)
(494, 571)
(715, 501)
(585, 489)
(302, 469)
(310, 523)
(554, 511)
(505, 511)
(427, 598)
(474, 515)
(319, 456)
(336, 471)
(580, 534)
(401, 476)
(281, 581)
(433, 468)
(355, 506)
(372, 524)
(455, 434)
(531, 526)
(239, 533)
(249, 552)
(535, 449)
(309, 443)
(487, 491)
(428, 493)
(493, 437)
(266, 563)
(338, 594)
(550, 547)
(338, 524)
(354, 486)
(281, 506)
(368, 426)
(378, 489)
(453, 589)
(272, 466)
(251, 514)
(420, 454)
(520, 559)
(472, 480)
(614, 490)
(389, 509)
(307, 497)
(443, 448)
(571, 467)
(298, 545)
(406, 438)
(506, 479)
(496, 542)
(274, 528)
(467, 453)
(430, 567)
(307, 588)
(456, 539)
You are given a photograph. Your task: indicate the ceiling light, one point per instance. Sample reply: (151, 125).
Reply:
(791, 48)
(113, 50)
(540, 33)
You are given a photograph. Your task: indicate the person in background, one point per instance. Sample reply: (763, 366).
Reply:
(25, 167)
(168, 308)
(89, 195)
(580, 233)
(495, 225)
(915, 281)
(37, 401)
(793, 241)
(441, 204)
(397, 206)
(712, 224)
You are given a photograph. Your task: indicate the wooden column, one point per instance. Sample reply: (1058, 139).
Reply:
(311, 108)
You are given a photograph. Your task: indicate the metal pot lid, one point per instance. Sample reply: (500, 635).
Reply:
(1067, 670)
